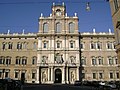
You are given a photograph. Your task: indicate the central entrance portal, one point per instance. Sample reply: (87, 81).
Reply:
(58, 76)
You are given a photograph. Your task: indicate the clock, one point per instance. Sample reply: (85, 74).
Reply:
(58, 13)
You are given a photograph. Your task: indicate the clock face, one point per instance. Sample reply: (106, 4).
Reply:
(58, 13)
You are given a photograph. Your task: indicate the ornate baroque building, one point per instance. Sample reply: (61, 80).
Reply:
(58, 53)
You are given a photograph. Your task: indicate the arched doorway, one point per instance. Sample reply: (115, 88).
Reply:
(58, 76)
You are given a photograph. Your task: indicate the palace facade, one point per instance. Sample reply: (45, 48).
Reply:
(115, 13)
(58, 53)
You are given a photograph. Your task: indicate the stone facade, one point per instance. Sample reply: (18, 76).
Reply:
(115, 12)
(58, 53)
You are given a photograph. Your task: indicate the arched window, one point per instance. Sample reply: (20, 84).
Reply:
(9, 45)
(24, 60)
(58, 27)
(45, 28)
(18, 60)
(100, 60)
(71, 27)
(8, 60)
(110, 60)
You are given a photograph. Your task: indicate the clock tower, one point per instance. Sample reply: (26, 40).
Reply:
(58, 11)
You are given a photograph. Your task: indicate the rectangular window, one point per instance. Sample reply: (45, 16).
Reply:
(6, 74)
(100, 75)
(58, 45)
(18, 61)
(111, 75)
(71, 45)
(3, 46)
(94, 62)
(24, 61)
(100, 61)
(44, 45)
(83, 75)
(16, 74)
(94, 75)
(81, 46)
(116, 4)
(109, 45)
(93, 45)
(117, 75)
(10, 46)
(110, 61)
(99, 45)
(33, 75)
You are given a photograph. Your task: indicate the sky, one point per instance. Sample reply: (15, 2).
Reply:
(16, 15)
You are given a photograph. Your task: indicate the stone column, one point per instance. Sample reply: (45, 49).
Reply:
(37, 81)
(63, 75)
(52, 75)
(39, 43)
(48, 74)
(78, 73)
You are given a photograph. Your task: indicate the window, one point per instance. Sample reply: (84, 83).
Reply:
(34, 60)
(111, 75)
(93, 45)
(100, 60)
(18, 60)
(19, 45)
(99, 45)
(6, 74)
(94, 75)
(110, 60)
(71, 27)
(81, 46)
(16, 74)
(109, 45)
(34, 45)
(3, 45)
(83, 61)
(1, 60)
(45, 45)
(83, 75)
(116, 4)
(8, 60)
(9, 45)
(100, 75)
(117, 75)
(24, 60)
(94, 62)
(58, 44)
(71, 45)
(45, 28)
(33, 75)
(25, 45)
(58, 27)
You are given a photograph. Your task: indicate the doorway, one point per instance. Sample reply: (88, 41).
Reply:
(58, 76)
